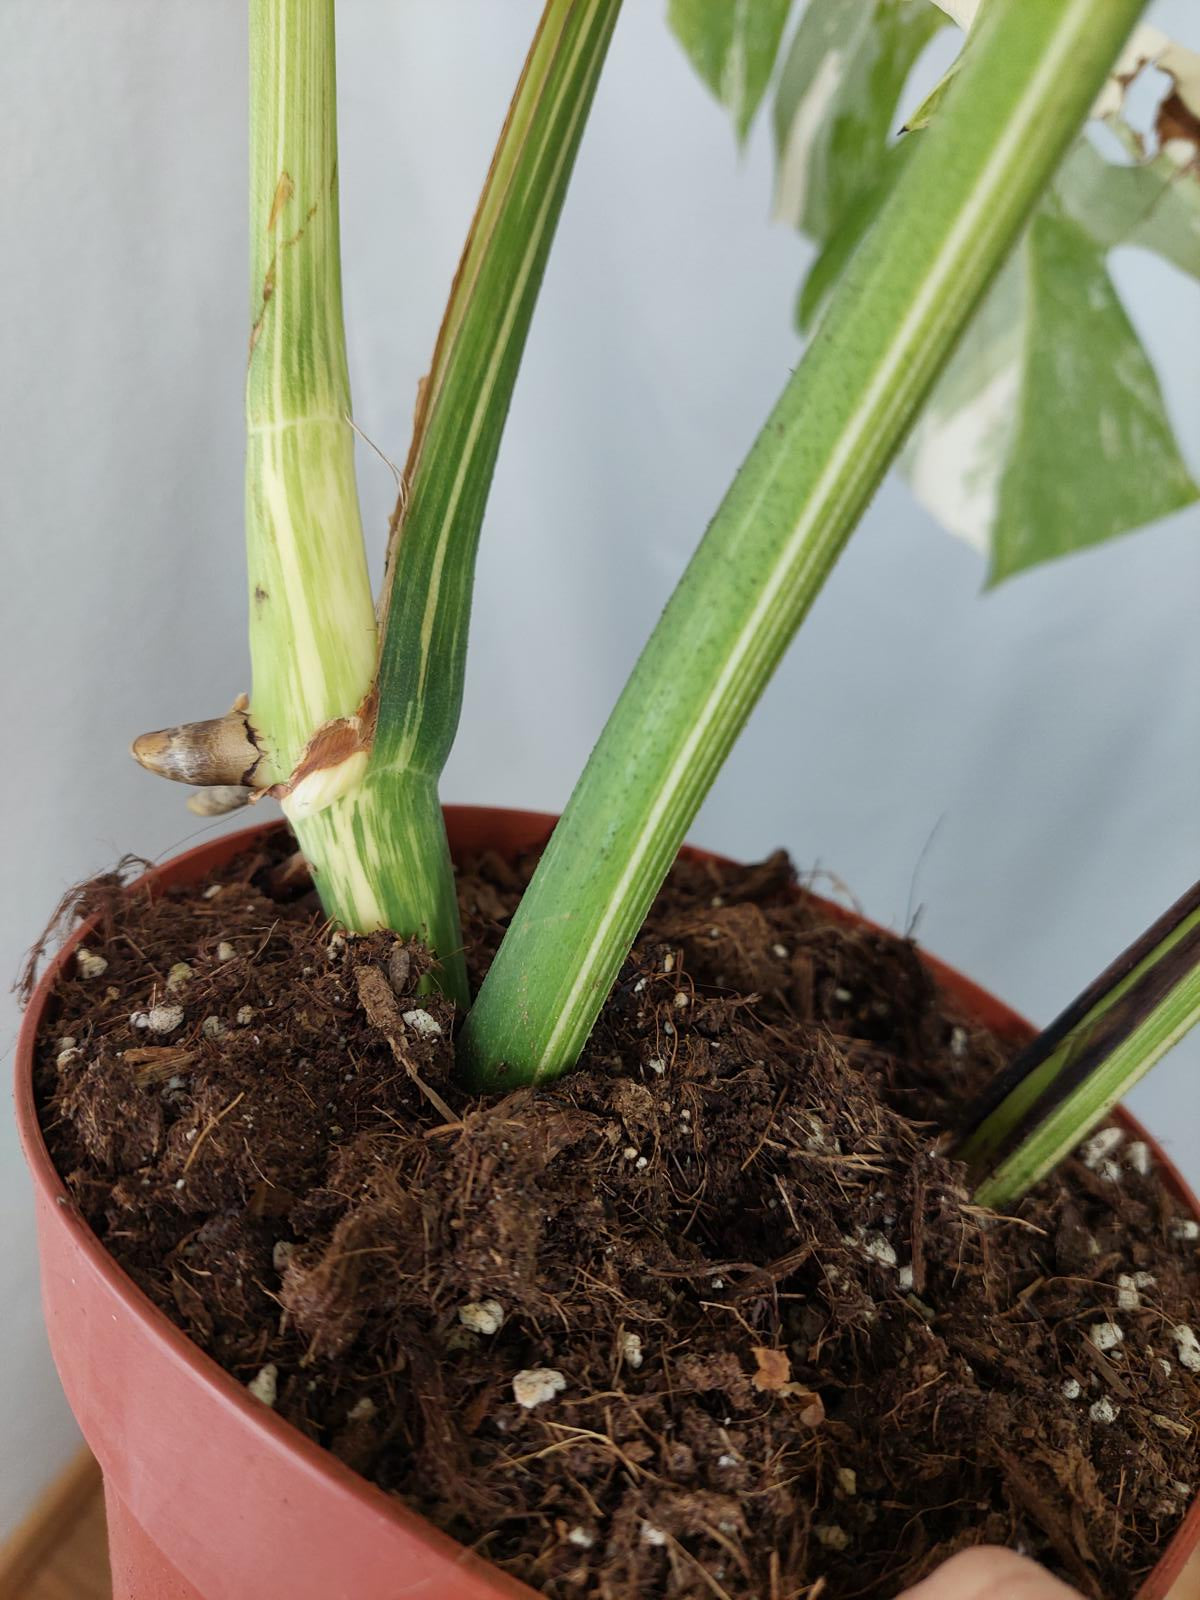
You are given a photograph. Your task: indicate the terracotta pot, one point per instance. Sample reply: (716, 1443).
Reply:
(209, 1495)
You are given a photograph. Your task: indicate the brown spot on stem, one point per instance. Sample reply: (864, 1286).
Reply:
(284, 190)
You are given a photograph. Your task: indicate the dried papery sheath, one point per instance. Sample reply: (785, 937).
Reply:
(220, 798)
(221, 752)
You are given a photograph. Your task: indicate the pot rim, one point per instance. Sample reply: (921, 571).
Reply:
(532, 828)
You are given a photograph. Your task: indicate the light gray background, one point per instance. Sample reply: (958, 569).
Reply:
(1025, 766)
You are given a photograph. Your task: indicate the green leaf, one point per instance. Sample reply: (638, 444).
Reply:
(1092, 453)
(927, 110)
(1048, 431)
(1011, 451)
(1154, 204)
(733, 45)
(835, 109)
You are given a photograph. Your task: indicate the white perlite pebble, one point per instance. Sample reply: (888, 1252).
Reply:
(727, 1461)
(958, 1042)
(1071, 1389)
(657, 1064)
(535, 1385)
(160, 1019)
(482, 1316)
(874, 1245)
(652, 1535)
(581, 1538)
(1100, 1146)
(781, 950)
(1128, 1298)
(1138, 1156)
(363, 1410)
(1185, 1230)
(847, 1480)
(66, 1054)
(682, 1001)
(1106, 1335)
(905, 1278)
(631, 1349)
(178, 978)
(265, 1385)
(1187, 1346)
(831, 1536)
(89, 963)
(225, 951)
(843, 995)
(421, 1022)
(212, 1027)
(1103, 1411)
(245, 1015)
(630, 1152)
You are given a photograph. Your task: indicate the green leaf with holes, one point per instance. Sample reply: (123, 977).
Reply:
(1048, 431)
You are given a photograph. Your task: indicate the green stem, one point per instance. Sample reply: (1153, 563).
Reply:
(466, 397)
(1059, 1087)
(376, 843)
(380, 848)
(1030, 71)
(312, 617)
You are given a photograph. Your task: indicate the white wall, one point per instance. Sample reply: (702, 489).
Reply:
(1023, 765)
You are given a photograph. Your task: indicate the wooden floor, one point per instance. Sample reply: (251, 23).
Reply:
(78, 1569)
(61, 1554)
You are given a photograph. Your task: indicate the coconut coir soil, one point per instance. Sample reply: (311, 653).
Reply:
(792, 1358)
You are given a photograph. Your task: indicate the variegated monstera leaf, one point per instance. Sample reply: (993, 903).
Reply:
(1048, 431)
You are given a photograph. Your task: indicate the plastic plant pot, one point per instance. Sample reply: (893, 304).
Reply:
(209, 1495)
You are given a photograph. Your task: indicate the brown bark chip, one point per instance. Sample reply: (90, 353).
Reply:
(711, 1316)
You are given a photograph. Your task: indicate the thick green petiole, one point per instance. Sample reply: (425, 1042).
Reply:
(312, 616)
(465, 402)
(375, 841)
(1055, 1091)
(1030, 72)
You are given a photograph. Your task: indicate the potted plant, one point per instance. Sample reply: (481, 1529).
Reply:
(716, 1313)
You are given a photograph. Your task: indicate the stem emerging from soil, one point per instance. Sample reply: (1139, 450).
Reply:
(1058, 1088)
(1029, 74)
(375, 841)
